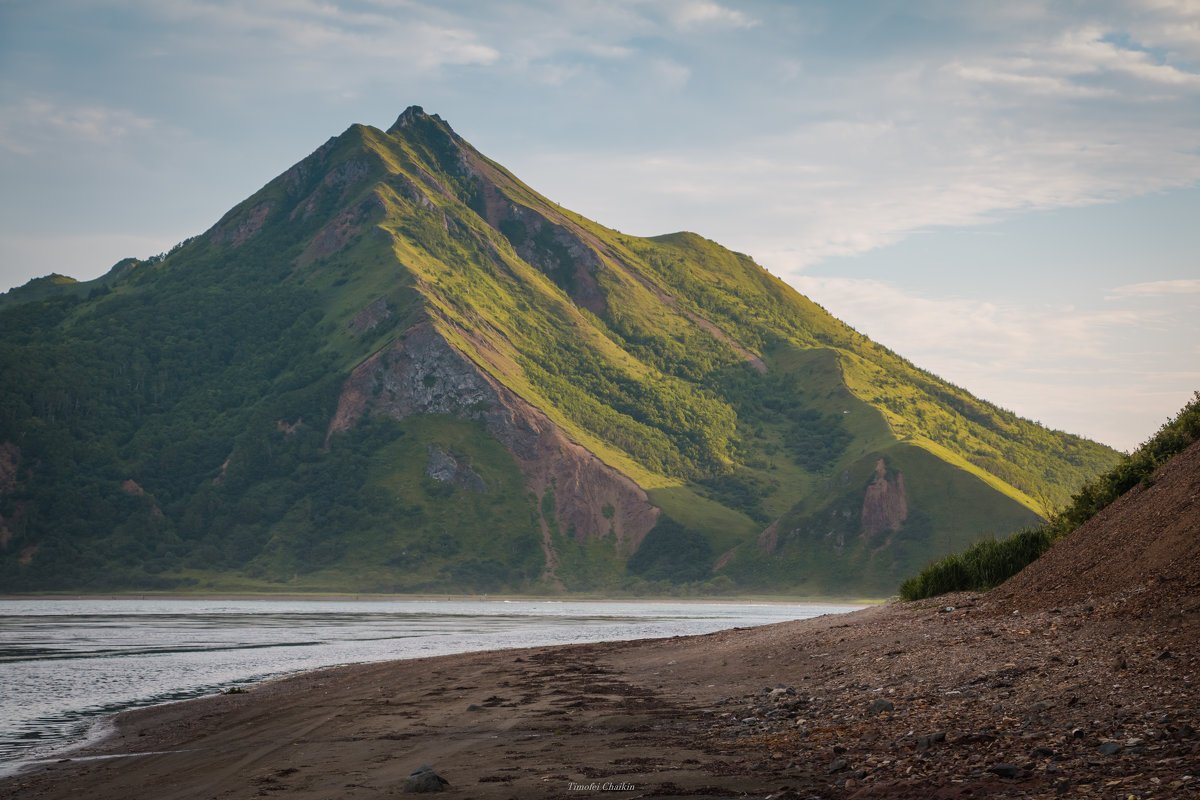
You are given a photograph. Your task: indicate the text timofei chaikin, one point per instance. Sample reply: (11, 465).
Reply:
(601, 787)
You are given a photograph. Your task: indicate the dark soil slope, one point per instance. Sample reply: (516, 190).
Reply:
(1139, 556)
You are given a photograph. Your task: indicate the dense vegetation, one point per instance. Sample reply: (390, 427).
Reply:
(168, 425)
(672, 553)
(990, 562)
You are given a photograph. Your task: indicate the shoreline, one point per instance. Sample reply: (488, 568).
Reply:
(961, 696)
(477, 598)
(70, 725)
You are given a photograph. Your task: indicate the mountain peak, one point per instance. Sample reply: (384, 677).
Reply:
(412, 116)
(398, 333)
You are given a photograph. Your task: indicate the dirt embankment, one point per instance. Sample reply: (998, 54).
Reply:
(1138, 556)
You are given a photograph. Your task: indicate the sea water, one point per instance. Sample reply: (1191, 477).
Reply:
(65, 664)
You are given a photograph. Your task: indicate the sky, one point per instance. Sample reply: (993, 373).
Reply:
(1007, 194)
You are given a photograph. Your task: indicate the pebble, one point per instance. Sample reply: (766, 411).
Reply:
(880, 706)
(929, 740)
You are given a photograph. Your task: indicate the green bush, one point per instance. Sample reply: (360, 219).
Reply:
(672, 552)
(983, 565)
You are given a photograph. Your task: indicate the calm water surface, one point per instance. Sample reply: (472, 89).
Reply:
(64, 664)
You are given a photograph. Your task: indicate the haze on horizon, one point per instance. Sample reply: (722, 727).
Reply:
(1005, 194)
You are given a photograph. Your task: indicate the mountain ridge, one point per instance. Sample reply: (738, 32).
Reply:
(689, 400)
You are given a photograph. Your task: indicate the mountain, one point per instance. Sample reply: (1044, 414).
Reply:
(398, 368)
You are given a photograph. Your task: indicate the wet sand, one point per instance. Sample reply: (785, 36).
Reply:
(905, 700)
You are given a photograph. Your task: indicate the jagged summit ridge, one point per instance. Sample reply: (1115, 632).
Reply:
(414, 115)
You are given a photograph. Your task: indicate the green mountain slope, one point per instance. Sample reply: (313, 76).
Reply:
(398, 368)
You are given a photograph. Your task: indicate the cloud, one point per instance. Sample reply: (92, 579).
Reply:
(694, 13)
(1172, 288)
(32, 124)
(858, 151)
(1088, 51)
(1103, 373)
(420, 38)
(844, 186)
(1032, 84)
(670, 74)
(994, 335)
(1172, 25)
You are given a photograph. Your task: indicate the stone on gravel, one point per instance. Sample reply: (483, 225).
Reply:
(929, 740)
(424, 779)
(1006, 770)
(1110, 748)
(880, 705)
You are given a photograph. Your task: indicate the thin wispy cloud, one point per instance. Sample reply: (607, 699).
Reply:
(997, 335)
(1090, 51)
(1176, 288)
(34, 124)
(1104, 372)
(694, 13)
(329, 32)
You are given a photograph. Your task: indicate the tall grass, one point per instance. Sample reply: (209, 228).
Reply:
(990, 562)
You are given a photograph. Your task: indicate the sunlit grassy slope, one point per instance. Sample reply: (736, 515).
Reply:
(208, 378)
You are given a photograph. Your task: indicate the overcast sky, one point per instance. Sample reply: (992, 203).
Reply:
(1007, 193)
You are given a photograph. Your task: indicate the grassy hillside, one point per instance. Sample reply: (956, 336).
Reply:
(171, 426)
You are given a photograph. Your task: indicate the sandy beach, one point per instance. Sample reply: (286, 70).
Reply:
(906, 700)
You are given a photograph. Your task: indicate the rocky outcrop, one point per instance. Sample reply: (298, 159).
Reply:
(298, 176)
(443, 467)
(238, 230)
(132, 488)
(370, 317)
(421, 373)
(885, 504)
(768, 540)
(300, 196)
(336, 182)
(343, 229)
(287, 428)
(553, 248)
